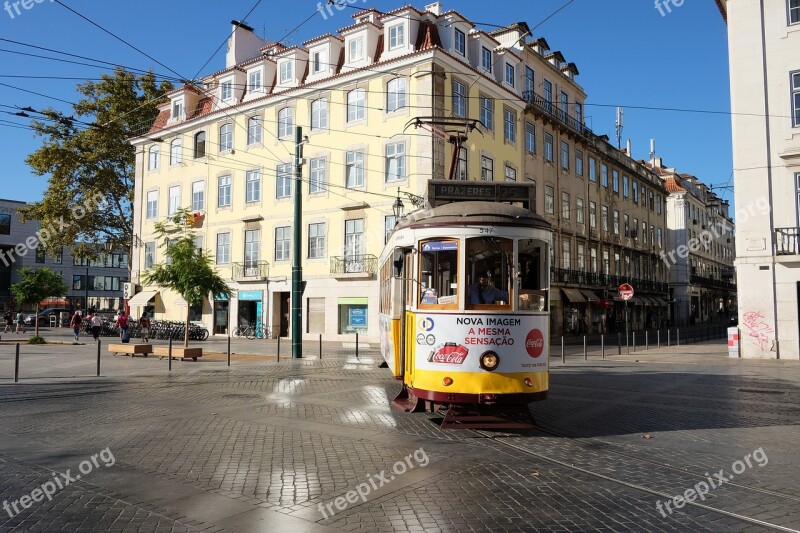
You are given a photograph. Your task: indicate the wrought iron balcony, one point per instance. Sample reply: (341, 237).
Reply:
(607, 281)
(786, 241)
(250, 271)
(354, 264)
(714, 283)
(541, 103)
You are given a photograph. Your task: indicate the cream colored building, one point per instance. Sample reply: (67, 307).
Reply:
(764, 49)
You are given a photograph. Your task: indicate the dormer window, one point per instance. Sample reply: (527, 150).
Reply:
(227, 90)
(461, 42)
(177, 109)
(254, 81)
(511, 75)
(397, 37)
(287, 71)
(486, 59)
(356, 49)
(320, 61)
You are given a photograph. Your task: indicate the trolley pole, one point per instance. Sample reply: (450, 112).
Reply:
(297, 268)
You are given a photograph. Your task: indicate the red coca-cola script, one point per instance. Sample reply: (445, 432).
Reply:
(450, 354)
(534, 343)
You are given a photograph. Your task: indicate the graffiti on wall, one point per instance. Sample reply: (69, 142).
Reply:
(758, 329)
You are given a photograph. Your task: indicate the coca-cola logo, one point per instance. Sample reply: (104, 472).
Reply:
(450, 354)
(534, 343)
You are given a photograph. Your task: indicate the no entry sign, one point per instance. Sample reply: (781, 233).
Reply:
(626, 291)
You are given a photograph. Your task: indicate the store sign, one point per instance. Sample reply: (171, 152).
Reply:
(251, 296)
(358, 317)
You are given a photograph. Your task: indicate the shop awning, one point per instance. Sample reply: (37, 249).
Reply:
(574, 296)
(661, 301)
(647, 300)
(590, 296)
(142, 299)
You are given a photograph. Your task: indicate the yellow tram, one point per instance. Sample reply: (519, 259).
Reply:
(464, 316)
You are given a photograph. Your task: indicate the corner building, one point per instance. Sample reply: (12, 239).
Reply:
(224, 148)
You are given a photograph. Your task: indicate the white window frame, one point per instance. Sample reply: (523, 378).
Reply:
(226, 137)
(253, 130)
(460, 42)
(511, 173)
(286, 123)
(318, 175)
(283, 181)
(149, 255)
(152, 205)
(319, 114)
(580, 211)
(198, 196)
(153, 157)
(579, 162)
(397, 36)
(396, 94)
(793, 11)
(177, 109)
(487, 168)
(459, 99)
(549, 200)
(254, 81)
(564, 155)
(462, 166)
(548, 147)
(530, 137)
(511, 75)
(510, 126)
(355, 49)
(354, 169)
(223, 253)
(356, 105)
(283, 243)
(794, 79)
(174, 200)
(252, 247)
(317, 232)
(226, 90)
(566, 206)
(486, 59)
(487, 112)
(224, 186)
(395, 162)
(286, 71)
(252, 189)
(176, 152)
(319, 60)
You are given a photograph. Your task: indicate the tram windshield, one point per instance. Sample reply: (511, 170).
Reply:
(438, 273)
(489, 265)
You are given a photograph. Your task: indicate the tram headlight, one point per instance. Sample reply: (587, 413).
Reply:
(447, 382)
(489, 360)
(528, 382)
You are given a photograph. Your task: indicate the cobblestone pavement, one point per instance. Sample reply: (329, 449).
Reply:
(268, 446)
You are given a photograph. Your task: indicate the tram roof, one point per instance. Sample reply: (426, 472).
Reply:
(463, 213)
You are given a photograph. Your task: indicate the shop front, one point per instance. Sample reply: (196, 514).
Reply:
(221, 314)
(353, 315)
(250, 309)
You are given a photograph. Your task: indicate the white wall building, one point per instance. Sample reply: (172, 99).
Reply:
(764, 48)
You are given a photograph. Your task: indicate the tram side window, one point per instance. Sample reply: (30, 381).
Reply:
(532, 275)
(489, 271)
(438, 277)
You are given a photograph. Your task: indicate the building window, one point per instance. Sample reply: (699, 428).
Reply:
(549, 200)
(487, 168)
(459, 99)
(461, 164)
(658, 204)
(644, 197)
(635, 229)
(592, 214)
(548, 94)
(486, 59)
(604, 216)
(226, 138)
(511, 173)
(644, 232)
(626, 225)
(548, 147)
(200, 145)
(319, 60)
(565, 155)
(592, 169)
(152, 204)
(565, 206)
(283, 181)
(615, 180)
(604, 175)
(652, 200)
(316, 241)
(175, 152)
(223, 248)
(285, 123)
(355, 105)
(354, 170)
(660, 236)
(354, 238)
(223, 191)
(319, 114)
(198, 196)
(318, 178)
(563, 106)
(252, 248)
(59, 257)
(253, 131)
(40, 255)
(390, 221)
(580, 215)
(487, 113)
(616, 222)
(579, 162)
(635, 192)
(395, 161)
(5, 224)
(174, 199)
(794, 11)
(461, 42)
(287, 71)
(149, 255)
(530, 138)
(177, 109)
(511, 75)
(356, 49)
(796, 98)
(397, 36)
(626, 186)
(396, 94)
(254, 81)
(153, 156)
(227, 90)
(566, 255)
(579, 114)
(510, 127)
(529, 82)
(252, 191)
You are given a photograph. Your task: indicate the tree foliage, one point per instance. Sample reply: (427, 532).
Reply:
(87, 162)
(36, 285)
(185, 269)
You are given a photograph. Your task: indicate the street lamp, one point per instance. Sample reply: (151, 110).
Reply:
(398, 207)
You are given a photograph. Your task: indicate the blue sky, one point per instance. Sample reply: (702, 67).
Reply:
(628, 54)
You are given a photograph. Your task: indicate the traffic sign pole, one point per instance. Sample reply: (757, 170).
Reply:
(626, 293)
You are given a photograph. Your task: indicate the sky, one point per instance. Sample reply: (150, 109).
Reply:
(628, 52)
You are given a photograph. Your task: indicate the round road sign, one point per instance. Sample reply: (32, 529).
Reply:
(626, 291)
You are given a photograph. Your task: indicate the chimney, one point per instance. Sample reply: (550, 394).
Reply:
(628, 149)
(243, 44)
(435, 8)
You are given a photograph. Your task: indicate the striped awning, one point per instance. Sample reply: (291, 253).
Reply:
(574, 295)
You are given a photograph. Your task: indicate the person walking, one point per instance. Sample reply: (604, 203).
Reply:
(97, 323)
(144, 327)
(20, 321)
(75, 323)
(122, 323)
(9, 319)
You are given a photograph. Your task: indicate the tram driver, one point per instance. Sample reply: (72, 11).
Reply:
(483, 293)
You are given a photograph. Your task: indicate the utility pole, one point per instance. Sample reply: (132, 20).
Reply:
(297, 244)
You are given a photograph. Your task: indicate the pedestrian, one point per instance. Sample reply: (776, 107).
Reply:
(20, 321)
(144, 327)
(75, 323)
(122, 323)
(9, 319)
(97, 323)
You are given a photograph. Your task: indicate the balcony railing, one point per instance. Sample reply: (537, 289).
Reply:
(607, 281)
(714, 283)
(786, 241)
(540, 102)
(250, 271)
(354, 264)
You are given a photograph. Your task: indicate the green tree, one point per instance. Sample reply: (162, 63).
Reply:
(186, 269)
(36, 285)
(88, 158)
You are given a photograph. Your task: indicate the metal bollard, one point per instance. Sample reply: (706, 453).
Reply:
(585, 357)
(603, 345)
(619, 344)
(320, 346)
(677, 337)
(229, 350)
(356, 345)
(646, 341)
(634, 341)
(668, 341)
(98, 357)
(279, 348)
(658, 335)
(16, 365)
(169, 353)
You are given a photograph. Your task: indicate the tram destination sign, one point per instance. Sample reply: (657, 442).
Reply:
(442, 191)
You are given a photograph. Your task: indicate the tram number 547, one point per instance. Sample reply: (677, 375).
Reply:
(487, 230)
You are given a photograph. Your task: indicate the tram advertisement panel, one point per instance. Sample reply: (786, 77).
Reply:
(457, 341)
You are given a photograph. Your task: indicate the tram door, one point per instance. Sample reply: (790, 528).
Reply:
(409, 273)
